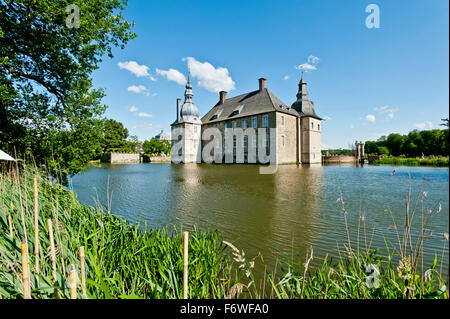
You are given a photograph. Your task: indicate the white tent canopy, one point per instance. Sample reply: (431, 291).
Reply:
(5, 157)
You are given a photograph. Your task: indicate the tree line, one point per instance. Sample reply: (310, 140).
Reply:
(414, 144)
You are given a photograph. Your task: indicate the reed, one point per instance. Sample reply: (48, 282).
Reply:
(185, 263)
(36, 228)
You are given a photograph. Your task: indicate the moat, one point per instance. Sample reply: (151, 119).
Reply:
(280, 215)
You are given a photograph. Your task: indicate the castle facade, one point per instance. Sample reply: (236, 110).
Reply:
(247, 128)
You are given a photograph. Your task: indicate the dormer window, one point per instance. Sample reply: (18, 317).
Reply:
(237, 110)
(216, 116)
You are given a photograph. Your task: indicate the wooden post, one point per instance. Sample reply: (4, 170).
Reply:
(73, 283)
(36, 229)
(52, 249)
(83, 273)
(25, 271)
(185, 264)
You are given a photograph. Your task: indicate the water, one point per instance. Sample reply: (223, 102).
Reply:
(281, 215)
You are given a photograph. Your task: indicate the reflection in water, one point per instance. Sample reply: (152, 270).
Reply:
(280, 215)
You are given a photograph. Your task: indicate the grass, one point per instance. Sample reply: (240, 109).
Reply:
(123, 261)
(414, 161)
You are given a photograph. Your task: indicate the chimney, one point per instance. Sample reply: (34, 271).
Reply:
(223, 97)
(262, 84)
(178, 110)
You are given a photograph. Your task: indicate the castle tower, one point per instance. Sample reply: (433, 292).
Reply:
(186, 130)
(310, 127)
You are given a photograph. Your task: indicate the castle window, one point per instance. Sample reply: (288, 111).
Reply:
(265, 121)
(244, 124)
(234, 124)
(254, 124)
(225, 125)
(318, 127)
(282, 140)
(312, 126)
(282, 121)
(195, 129)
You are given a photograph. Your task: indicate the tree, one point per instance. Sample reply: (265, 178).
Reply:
(383, 150)
(114, 136)
(395, 143)
(133, 143)
(371, 147)
(48, 106)
(155, 146)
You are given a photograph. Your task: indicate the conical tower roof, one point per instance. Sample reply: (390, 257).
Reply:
(303, 105)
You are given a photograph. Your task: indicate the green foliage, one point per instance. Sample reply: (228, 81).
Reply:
(414, 161)
(158, 147)
(415, 144)
(339, 152)
(48, 106)
(114, 137)
(122, 260)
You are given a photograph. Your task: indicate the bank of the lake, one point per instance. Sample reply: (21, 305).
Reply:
(438, 161)
(125, 261)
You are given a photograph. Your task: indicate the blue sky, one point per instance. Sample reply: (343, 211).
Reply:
(366, 82)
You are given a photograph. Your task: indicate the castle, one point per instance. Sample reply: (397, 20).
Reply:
(296, 129)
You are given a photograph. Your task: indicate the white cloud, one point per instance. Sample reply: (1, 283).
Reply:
(138, 89)
(313, 59)
(370, 118)
(172, 75)
(142, 114)
(133, 109)
(386, 109)
(306, 67)
(135, 68)
(311, 64)
(286, 77)
(327, 118)
(211, 78)
(381, 108)
(424, 125)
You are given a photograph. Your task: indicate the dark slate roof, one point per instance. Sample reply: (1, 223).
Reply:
(305, 108)
(248, 104)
